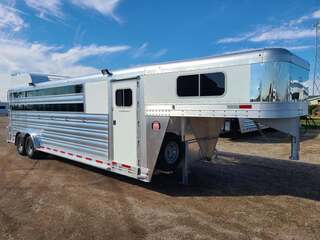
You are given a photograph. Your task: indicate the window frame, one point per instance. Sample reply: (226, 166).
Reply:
(78, 107)
(199, 85)
(123, 98)
(77, 89)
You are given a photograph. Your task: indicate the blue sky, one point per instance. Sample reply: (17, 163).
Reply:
(75, 37)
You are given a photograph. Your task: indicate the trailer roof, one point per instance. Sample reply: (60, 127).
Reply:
(230, 59)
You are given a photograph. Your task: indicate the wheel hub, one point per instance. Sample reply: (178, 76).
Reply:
(171, 152)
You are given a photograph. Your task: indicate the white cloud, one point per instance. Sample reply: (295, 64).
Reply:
(49, 8)
(77, 53)
(105, 7)
(46, 8)
(282, 33)
(289, 31)
(140, 51)
(22, 56)
(271, 34)
(236, 39)
(143, 51)
(10, 19)
(160, 53)
(316, 14)
(298, 48)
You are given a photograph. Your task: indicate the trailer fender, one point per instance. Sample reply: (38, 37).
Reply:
(154, 138)
(33, 133)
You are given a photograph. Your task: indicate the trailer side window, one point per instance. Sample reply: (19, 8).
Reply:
(123, 97)
(119, 97)
(209, 84)
(65, 107)
(212, 84)
(71, 89)
(188, 86)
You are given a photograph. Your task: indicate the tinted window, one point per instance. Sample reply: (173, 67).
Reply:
(212, 84)
(67, 107)
(119, 97)
(127, 97)
(188, 86)
(124, 97)
(73, 89)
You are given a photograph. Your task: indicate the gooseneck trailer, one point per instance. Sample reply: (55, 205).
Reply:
(136, 120)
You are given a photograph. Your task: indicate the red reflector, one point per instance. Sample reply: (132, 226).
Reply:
(99, 161)
(114, 163)
(87, 158)
(79, 156)
(244, 106)
(156, 126)
(62, 151)
(125, 166)
(71, 154)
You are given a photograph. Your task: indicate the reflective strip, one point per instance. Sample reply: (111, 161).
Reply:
(126, 166)
(245, 106)
(80, 156)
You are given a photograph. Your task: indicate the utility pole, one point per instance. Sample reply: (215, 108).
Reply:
(316, 75)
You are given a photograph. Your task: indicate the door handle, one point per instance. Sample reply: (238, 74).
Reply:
(114, 122)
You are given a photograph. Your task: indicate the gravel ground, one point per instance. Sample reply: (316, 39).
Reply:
(249, 192)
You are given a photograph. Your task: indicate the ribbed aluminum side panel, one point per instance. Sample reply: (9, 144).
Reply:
(83, 133)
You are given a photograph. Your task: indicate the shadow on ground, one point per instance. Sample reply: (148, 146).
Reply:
(271, 136)
(234, 175)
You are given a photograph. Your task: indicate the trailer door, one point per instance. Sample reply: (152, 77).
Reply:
(124, 95)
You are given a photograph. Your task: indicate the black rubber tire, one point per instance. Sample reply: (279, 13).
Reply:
(20, 143)
(163, 163)
(30, 149)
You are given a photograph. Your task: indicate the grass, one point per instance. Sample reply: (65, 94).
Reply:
(313, 123)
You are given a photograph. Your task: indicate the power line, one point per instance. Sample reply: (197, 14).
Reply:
(316, 75)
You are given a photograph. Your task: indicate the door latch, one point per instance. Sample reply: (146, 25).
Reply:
(114, 122)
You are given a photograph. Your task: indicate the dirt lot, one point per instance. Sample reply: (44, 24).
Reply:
(238, 196)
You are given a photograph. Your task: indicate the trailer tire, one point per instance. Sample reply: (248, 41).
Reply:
(171, 153)
(30, 149)
(20, 143)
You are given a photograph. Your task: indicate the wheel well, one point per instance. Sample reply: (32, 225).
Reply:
(171, 135)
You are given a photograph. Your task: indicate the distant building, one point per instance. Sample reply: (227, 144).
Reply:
(314, 100)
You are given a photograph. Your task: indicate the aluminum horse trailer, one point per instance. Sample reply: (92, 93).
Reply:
(136, 120)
